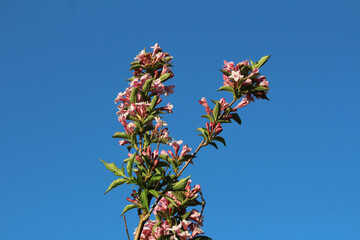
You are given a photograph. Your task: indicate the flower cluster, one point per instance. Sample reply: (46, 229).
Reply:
(243, 80)
(155, 160)
(172, 220)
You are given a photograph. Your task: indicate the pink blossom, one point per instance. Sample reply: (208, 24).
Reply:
(206, 105)
(155, 48)
(168, 108)
(169, 90)
(224, 105)
(254, 72)
(159, 56)
(236, 75)
(175, 145)
(185, 150)
(264, 83)
(197, 231)
(165, 69)
(140, 56)
(244, 102)
(228, 66)
(227, 81)
(123, 142)
(247, 81)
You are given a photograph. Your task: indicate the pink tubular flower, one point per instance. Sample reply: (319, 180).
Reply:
(140, 56)
(176, 146)
(159, 56)
(168, 108)
(227, 81)
(236, 75)
(206, 105)
(224, 105)
(228, 66)
(123, 142)
(165, 69)
(244, 102)
(155, 48)
(185, 150)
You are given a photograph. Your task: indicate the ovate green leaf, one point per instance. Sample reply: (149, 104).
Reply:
(129, 207)
(114, 169)
(116, 183)
(133, 95)
(262, 61)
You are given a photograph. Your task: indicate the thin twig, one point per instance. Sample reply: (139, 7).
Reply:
(126, 228)
(203, 203)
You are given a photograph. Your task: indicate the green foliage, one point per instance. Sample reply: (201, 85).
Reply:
(129, 207)
(261, 62)
(114, 169)
(116, 183)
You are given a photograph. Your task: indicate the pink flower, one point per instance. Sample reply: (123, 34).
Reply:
(228, 66)
(159, 56)
(264, 83)
(224, 105)
(206, 105)
(244, 102)
(197, 231)
(236, 75)
(123, 142)
(247, 81)
(165, 69)
(227, 81)
(185, 150)
(155, 48)
(168, 108)
(176, 146)
(140, 56)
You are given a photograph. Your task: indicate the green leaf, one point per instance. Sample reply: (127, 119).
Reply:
(236, 117)
(209, 117)
(154, 193)
(130, 79)
(262, 61)
(220, 139)
(165, 77)
(136, 66)
(154, 101)
(259, 88)
(186, 215)
(178, 186)
(202, 130)
(130, 165)
(149, 119)
(226, 88)
(116, 183)
(135, 62)
(121, 135)
(133, 95)
(252, 63)
(170, 199)
(225, 72)
(144, 200)
(129, 207)
(216, 111)
(147, 85)
(214, 145)
(114, 169)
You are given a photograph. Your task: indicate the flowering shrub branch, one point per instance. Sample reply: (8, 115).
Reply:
(155, 160)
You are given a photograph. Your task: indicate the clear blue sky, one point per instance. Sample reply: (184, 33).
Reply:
(291, 171)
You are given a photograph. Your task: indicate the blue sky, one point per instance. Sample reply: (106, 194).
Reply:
(291, 171)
